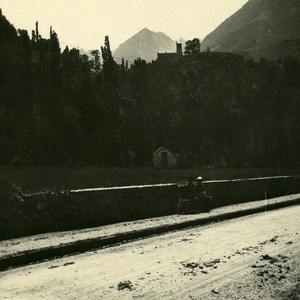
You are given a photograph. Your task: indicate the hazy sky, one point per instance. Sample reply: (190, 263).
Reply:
(86, 22)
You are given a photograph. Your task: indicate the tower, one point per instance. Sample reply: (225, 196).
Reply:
(179, 48)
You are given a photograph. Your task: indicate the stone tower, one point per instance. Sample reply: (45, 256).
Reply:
(179, 48)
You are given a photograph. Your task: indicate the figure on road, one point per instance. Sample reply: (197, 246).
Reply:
(193, 198)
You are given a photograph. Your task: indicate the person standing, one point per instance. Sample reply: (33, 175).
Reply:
(203, 200)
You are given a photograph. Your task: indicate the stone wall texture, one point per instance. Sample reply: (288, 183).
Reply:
(46, 212)
(226, 192)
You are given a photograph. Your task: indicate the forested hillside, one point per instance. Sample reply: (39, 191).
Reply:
(58, 107)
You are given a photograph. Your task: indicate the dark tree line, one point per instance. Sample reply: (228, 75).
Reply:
(60, 107)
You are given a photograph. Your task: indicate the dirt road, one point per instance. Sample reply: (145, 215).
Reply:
(254, 257)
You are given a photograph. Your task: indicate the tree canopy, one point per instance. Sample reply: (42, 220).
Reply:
(61, 107)
(192, 46)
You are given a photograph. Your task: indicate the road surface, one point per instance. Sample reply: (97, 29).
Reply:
(254, 257)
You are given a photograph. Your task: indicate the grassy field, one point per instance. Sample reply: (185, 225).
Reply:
(52, 178)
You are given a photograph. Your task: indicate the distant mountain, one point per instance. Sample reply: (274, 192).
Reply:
(145, 44)
(88, 53)
(261, 28)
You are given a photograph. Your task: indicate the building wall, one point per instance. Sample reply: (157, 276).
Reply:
(166, 55)
(172, 161)
(157, 159)
(172, 54)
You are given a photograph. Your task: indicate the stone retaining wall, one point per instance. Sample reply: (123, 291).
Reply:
(76, 209)
(85, 208)
(226, 192)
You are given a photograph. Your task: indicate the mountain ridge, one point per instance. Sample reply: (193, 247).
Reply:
(261, 28)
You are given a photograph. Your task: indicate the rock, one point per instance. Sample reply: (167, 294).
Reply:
(53, 267)
(69, 263)
(269, 258)
(125, 285)
(191, 265)
(274, 239)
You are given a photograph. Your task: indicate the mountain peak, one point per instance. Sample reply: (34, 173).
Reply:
(145, 29)
(145, 44)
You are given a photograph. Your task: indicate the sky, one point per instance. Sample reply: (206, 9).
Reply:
(84, 23)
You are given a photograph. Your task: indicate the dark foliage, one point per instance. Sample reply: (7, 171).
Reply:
(58, 107)
(192, 46)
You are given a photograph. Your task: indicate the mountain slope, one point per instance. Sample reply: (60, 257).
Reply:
(261, 28)
(145, 44)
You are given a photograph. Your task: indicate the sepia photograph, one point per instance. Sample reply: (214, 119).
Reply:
(150, 149)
